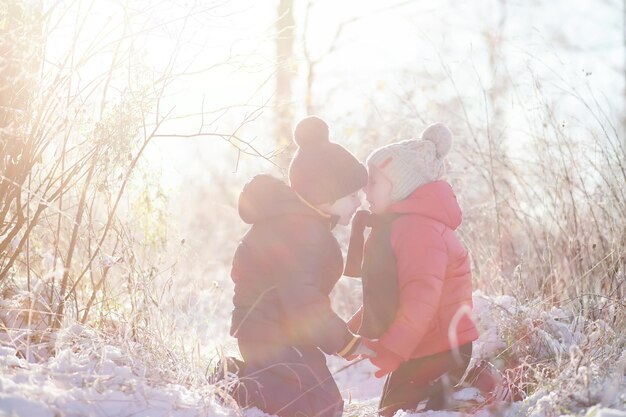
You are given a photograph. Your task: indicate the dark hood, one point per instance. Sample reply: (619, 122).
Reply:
(264, 197)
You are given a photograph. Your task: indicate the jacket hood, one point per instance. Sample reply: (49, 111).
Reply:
(434, 200)
(264, 197)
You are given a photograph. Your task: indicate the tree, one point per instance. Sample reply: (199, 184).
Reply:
(76, 122)
(285, 71)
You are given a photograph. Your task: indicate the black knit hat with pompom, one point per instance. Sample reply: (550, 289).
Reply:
(322, 171)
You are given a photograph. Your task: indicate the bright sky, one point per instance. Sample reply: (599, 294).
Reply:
(580, 41)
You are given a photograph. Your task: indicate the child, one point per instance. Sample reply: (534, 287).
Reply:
(284, 269)
(417, 284)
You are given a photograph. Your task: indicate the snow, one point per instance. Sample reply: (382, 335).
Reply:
(89, 375)
(101, 381)
(468, 394)
(604, 412)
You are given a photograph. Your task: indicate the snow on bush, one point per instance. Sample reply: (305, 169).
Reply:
(87, 376)
(563, 361)
(566, 364)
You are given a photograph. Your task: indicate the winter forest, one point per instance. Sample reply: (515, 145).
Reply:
(128, 129)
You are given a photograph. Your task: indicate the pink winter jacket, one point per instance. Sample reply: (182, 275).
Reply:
(434, 277)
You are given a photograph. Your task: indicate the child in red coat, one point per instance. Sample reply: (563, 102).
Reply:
(417, 283)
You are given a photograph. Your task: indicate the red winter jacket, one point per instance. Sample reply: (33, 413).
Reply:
(433, 273)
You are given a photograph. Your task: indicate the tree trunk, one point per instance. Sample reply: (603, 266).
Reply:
(284, 78)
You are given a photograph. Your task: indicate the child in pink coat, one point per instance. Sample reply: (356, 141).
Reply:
(417, 283)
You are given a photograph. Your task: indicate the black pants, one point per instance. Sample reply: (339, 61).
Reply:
(288, 381)
(431, 377)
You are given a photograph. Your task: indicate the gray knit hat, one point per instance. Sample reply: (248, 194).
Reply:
(412, 163)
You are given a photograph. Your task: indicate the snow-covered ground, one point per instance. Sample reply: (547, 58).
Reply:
(90, 375)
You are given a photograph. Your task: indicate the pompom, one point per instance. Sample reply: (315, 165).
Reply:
(310, 131)
(441, 136)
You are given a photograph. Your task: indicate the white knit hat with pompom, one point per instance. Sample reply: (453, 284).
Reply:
(412, 163)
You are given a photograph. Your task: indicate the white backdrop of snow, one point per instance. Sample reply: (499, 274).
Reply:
(90, 378)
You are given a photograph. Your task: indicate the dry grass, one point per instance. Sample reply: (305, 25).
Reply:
(546, 227)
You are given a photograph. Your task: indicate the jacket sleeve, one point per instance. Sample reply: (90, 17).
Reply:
(421, 257)
(309, 315)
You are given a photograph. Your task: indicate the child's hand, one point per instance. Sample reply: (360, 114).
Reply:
(385, 360)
